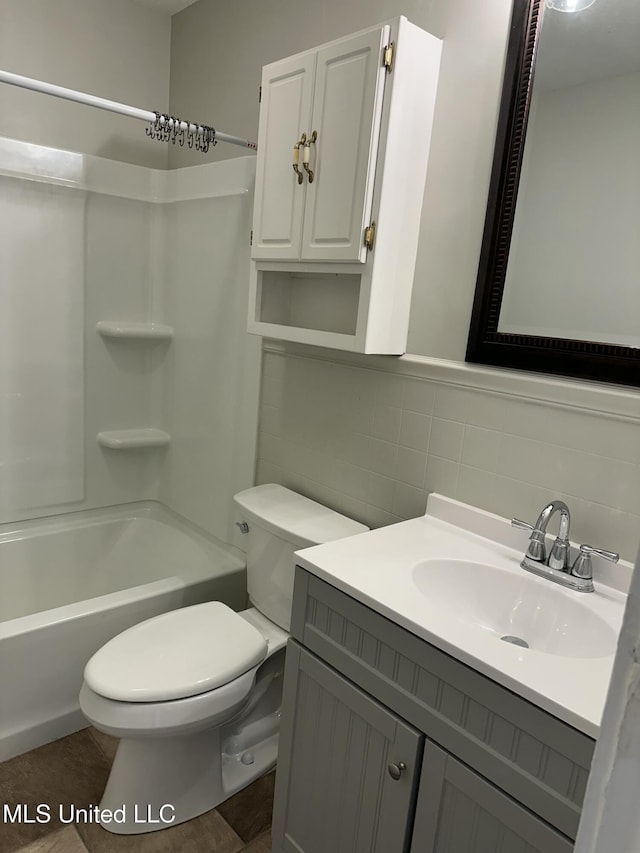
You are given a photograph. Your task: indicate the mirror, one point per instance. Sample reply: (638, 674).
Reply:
(558, 287)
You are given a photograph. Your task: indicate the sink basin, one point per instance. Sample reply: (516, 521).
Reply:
(453, 579)
(515, 607)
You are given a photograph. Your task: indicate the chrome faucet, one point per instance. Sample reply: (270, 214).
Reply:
(536, 552)
(557, 566)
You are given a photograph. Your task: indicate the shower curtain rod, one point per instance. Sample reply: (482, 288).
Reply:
(163, 126)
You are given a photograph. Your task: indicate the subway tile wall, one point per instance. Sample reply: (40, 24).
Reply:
(373, 444)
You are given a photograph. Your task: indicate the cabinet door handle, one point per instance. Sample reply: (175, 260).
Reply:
(396, 770)
(296, 157)
(306, 154)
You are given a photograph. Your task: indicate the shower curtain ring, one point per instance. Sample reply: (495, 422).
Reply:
(152, 128)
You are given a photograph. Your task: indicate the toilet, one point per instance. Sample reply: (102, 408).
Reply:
(194, 694)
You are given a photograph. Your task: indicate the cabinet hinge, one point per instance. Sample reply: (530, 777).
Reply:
(387, 56)
(251, 239)
(370, 236)
(260, 95)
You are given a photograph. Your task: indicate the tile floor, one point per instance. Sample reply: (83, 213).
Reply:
(74, 769)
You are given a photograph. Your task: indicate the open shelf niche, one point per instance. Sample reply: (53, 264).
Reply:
(132, 439)
(134, 331)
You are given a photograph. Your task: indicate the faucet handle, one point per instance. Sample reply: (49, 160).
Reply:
(599, 552)
(582, 565)
(521, 525)
(536, 550)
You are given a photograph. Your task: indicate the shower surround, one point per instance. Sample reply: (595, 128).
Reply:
(86, 241)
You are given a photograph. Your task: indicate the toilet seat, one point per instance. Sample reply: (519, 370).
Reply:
(176, 656)
(187, 715)
(177, 717)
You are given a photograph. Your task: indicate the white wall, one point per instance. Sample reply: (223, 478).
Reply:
(129, 244)
(208, 383)
(41, 345)
(115, 49)
(118, 50)
(238, 38)
(119, 285)
(372, 437)
(347, 434)
(575, 254)
(79, 250)
(151, 246)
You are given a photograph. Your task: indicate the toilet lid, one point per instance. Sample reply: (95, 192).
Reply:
(175, 655)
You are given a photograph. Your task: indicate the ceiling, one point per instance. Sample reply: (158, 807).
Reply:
(170, 6)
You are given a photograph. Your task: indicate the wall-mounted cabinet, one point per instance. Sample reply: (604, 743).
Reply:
(332, 98)
(342, 157)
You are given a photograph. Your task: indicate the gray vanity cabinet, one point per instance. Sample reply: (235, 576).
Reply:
(483, 770)
(338, 751)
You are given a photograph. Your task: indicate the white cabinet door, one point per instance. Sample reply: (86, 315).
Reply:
(287, 90)
(347, 108)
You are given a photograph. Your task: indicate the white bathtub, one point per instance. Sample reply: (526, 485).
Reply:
(70, 583)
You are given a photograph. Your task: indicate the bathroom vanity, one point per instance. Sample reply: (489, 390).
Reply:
(408, 725)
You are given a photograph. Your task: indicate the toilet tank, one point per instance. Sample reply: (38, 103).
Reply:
(280, 522)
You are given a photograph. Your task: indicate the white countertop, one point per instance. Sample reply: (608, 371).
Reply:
(377, 569)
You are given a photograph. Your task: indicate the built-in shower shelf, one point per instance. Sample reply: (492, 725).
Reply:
(130, 439)
(134, 331)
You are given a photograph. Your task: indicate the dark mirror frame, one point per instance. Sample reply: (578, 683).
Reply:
(486, 345)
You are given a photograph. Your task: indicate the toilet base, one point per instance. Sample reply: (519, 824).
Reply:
(166, 774)
(158, 783)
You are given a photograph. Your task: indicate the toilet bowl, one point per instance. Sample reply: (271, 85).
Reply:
(163, 772)
(194, 694)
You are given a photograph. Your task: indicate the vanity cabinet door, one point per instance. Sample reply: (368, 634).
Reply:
(339, 751)
(457, 811)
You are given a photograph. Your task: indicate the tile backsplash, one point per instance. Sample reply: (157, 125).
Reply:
(373, 443)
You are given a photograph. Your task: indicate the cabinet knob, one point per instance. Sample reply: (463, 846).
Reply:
(396, 770)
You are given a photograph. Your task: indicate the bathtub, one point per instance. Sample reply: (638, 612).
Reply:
(70, 583)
